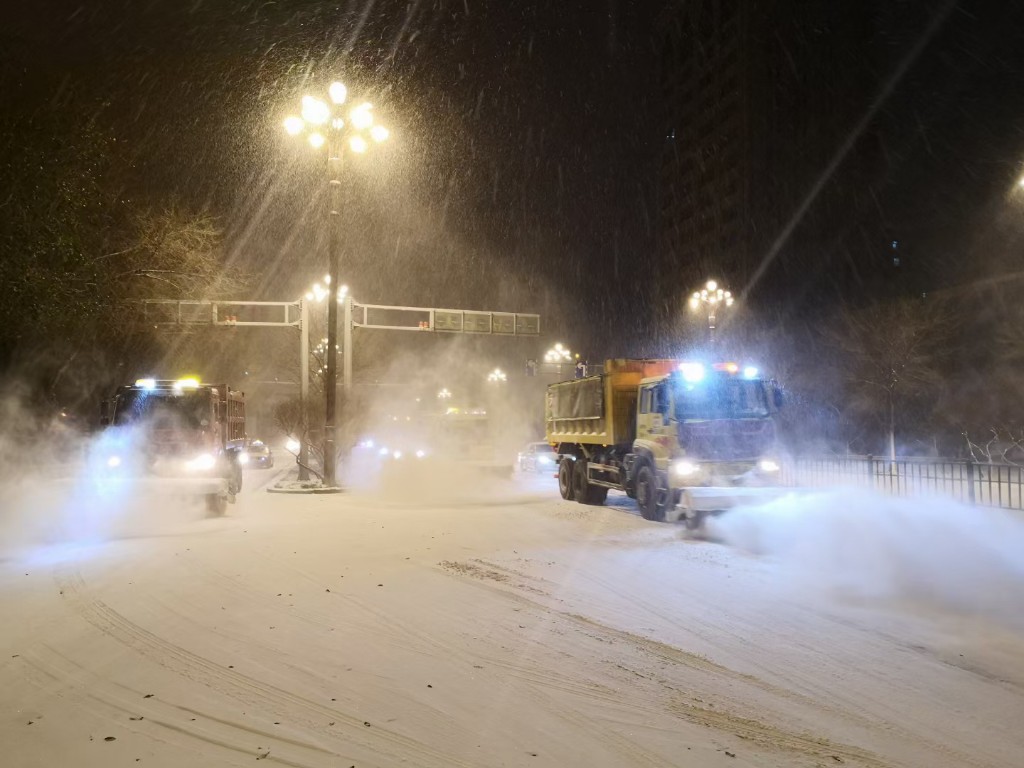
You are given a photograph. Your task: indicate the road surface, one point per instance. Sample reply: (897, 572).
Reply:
(436, 623)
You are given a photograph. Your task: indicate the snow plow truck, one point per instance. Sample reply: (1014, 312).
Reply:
(684, 439)
(176, 438)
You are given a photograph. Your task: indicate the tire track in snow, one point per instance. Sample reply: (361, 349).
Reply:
(723, 720)
(809, 692)
(121, 703)
(537, 682)
(198, 669)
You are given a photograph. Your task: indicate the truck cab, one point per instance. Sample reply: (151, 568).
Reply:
(178, 435)
(706, 426)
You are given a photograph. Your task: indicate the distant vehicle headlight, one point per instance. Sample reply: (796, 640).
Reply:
(202, 462)
(243, 458)
(420, 454)
(768, 465)
(114, 462)
(684, 468)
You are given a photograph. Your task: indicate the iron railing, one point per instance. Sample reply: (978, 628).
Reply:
(988, 485)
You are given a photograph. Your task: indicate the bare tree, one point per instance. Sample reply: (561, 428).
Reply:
(890, 356)
(172, 254)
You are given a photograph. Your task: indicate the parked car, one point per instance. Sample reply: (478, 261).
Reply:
(259, 455)
(538, 457)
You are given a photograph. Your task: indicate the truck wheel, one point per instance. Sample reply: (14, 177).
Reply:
(235, 478)
(695, 522)
(584, 492)
(216, 504)
(647, 494)
(565, 467)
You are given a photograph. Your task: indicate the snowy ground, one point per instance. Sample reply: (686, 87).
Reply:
(443, 622)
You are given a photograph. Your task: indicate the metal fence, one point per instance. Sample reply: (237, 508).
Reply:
(989, 485)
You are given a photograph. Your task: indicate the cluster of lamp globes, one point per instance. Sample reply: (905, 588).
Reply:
(318, 115)
(497, 375)
(558, 354)
(711, 294)
(319, 292)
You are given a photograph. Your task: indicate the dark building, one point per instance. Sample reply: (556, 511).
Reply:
(770, 163)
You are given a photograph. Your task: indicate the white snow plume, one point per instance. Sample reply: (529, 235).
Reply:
(411, 444)
(863, 544)
(54, 508)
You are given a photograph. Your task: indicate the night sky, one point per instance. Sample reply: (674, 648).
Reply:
(523, 174)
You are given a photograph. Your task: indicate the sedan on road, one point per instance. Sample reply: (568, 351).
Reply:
(538, 457)
(259, 455)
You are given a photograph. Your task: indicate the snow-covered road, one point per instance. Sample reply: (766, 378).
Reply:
(496, 627)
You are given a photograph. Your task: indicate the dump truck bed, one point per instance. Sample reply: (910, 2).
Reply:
(599, 410)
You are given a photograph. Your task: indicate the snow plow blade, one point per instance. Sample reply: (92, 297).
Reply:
(700, 502)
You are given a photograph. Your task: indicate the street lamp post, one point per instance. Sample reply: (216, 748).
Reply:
(321, 117)
(316, 294)
(497, 376)
(711, 297)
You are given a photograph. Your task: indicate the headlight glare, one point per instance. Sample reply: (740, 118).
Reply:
(684, 468)
(202, 462)
(768, 465)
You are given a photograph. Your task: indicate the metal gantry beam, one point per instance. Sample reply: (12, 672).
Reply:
(273, 314)
(451, 320)
(295, 314)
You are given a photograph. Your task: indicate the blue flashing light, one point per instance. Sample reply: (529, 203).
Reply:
(692, 372)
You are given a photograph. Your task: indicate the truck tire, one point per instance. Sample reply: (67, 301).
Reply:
(216, 504)
(695, 522)
(584, 492)
(647, 494)
(234, 478)
(565, 468)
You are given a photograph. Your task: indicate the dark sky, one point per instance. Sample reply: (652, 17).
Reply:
(521, 167)
(523, 170)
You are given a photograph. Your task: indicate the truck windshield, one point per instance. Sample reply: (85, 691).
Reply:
(722, 399)
(163, 410)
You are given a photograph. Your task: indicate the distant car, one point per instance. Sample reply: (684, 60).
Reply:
(260, 455)
(538, 457)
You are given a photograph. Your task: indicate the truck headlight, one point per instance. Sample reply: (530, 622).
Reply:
(114, 461)
(202, 462)
(768, 465)
(684, 468)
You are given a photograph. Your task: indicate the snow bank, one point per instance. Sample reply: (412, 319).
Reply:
(860, 543)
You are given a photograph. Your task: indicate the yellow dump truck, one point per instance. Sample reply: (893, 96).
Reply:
(683, 438)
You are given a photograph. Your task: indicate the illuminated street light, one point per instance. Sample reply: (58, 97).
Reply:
(330, 128)
(712, 298)
(444, 394)
(558, 354)
(497, 375)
